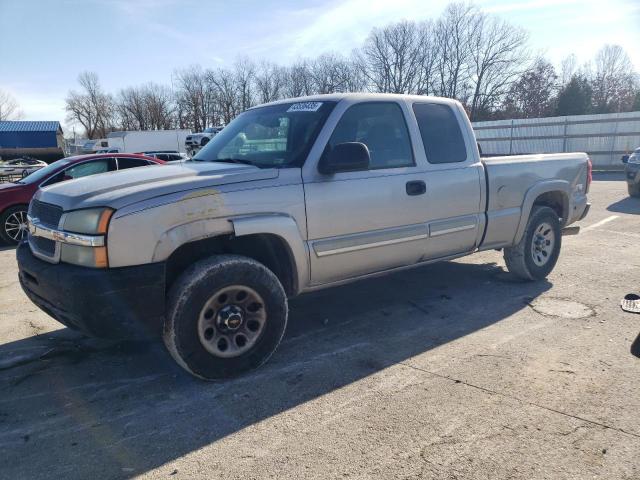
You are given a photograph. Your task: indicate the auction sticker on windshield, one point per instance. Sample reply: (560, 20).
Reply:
(305, 107)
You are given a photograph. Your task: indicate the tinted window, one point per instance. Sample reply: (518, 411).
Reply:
(80, 170)
(41, 174)
(441, 134)
(124, 163)
(381, 127)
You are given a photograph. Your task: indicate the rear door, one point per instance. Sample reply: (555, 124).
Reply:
(454, 179)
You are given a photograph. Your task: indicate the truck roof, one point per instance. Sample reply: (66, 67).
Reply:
(362, 97)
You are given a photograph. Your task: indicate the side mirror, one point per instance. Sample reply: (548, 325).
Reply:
(625, 158)
(345, 157)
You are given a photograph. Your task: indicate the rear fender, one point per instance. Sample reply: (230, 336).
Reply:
(533, 193)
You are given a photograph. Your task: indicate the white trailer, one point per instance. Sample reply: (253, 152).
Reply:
(148, 140)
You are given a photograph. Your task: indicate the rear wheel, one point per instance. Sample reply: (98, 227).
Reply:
(225, 315)
(13, 225)
(634, 189)
(534, 257)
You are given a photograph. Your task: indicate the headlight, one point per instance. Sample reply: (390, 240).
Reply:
(634, 159)
(92, 221)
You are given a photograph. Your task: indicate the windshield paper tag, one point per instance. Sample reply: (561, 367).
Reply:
(305, 107)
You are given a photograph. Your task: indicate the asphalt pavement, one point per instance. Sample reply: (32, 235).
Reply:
(450, 371)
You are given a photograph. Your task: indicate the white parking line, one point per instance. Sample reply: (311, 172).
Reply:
(600, 223)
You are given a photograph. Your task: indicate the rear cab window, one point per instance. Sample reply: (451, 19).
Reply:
(441, 134)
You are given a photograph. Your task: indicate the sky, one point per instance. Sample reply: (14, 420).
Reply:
(45, 44)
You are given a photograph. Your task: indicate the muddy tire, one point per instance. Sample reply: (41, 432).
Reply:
(13, 224)
(634, 190)
(534, 257)
(225, 316)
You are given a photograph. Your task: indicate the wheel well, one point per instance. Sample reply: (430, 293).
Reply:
(555, 200)
(25, 205)
(268, 249)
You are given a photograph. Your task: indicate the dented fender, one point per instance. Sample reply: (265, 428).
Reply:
(533, 193)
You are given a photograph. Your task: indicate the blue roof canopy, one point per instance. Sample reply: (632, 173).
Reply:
(20, 126)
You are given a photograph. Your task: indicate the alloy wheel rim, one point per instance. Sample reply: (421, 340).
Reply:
(15, 226)
(231, 321)
(542, 244)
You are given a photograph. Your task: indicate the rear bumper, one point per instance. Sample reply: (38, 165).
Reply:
(117, 303)
(585, 212)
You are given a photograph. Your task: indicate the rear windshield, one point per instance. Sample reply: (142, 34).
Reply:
(43, 173)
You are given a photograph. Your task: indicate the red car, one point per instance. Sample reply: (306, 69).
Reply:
(15, 197)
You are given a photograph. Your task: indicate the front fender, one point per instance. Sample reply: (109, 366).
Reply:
(533, 193)
(284, 227)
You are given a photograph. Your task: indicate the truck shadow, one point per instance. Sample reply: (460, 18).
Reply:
(80, 408)
(626, 205)
(617, 175)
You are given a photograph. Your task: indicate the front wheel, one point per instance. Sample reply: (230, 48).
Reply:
(225, 315)
(534, 257)
(634, 189)
(13, 225)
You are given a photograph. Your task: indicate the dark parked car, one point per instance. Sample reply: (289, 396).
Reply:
(15, 196)
(632, 172)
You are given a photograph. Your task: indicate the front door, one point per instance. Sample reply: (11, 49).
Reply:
(368, 221)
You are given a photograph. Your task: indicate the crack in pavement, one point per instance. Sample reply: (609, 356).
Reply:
(528, 402)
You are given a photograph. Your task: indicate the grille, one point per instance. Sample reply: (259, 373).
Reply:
(43, 245)
(48, 214)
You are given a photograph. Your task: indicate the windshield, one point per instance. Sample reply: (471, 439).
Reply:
(273, 136)
(44, 172)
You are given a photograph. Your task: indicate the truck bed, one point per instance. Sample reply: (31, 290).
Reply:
(514, 183)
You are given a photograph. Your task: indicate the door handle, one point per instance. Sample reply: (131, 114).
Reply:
(416, 187)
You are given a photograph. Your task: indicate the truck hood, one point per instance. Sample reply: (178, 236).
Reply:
(119, 189)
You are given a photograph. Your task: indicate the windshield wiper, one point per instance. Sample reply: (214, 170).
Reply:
(234, 160)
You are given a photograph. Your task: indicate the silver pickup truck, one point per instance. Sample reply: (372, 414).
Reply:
(290, 197)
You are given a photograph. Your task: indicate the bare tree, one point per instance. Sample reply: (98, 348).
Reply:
(614, 82)
(568, 68)
(195, 100)
(227, 98)
(496, 58)
(160, 106)
(299, 80)
(270, 80)
(452, 38)
(132, 109)
(91, 108)
(9, 108)
(399, 58)
(245, 71)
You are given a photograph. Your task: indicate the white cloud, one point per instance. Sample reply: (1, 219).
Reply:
(340, 26)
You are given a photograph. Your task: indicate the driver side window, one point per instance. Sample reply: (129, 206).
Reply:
(382, 128)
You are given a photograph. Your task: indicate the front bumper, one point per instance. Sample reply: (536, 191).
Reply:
(116, 303)
(632, 173)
